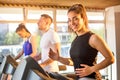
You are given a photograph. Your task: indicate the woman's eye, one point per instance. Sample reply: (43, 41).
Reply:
(75, 19)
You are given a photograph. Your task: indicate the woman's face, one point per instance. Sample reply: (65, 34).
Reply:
(75, 21)
(22, 33)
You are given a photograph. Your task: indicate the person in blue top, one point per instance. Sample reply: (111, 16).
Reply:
(30, 45)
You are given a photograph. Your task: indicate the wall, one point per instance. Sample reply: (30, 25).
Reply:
(113, 38)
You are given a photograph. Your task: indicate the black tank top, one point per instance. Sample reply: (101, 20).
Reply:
(82, 53)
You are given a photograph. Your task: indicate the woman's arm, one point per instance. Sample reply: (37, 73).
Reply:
(66, 61)
(55, 56)
(19, 54)
(33, 41)
(99, 44)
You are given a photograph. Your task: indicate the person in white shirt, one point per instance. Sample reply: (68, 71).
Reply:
(49, 40)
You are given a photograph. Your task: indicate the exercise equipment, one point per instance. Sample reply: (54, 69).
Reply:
(29, 69)
(8, 65)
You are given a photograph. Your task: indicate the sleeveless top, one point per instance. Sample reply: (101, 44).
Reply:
(27, 47)
(82, 53)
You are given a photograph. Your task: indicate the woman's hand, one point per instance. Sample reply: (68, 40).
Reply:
(85, 71)
(53, 55)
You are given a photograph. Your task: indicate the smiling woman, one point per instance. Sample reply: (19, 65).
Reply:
(11, 17)
(85, 47)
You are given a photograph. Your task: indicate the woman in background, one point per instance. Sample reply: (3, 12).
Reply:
(30, 44)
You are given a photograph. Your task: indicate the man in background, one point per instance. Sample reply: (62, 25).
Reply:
(49, 40)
